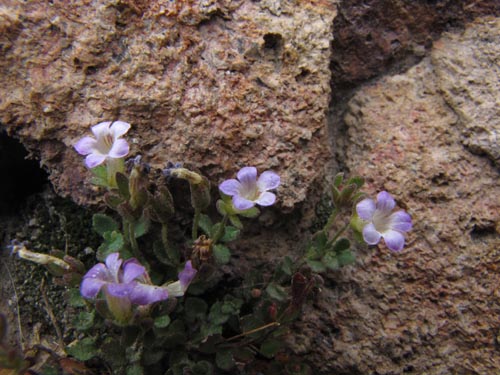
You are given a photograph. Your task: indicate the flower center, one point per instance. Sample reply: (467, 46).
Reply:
(381, 221)
(105, 143)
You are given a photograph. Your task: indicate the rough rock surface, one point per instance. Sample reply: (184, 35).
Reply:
(215, 84)
(373, 36)
(435, 307)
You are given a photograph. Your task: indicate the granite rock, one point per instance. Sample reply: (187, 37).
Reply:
(432, 308)
(214, 84)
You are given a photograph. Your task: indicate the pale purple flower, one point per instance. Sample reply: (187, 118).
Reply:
(187, 275)
(125, 280)
(106, 143)
(382, 222)
(248, 190)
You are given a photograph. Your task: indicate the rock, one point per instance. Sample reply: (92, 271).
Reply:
(433, 308)
(214, 84)
(468, 71)
(373, 36)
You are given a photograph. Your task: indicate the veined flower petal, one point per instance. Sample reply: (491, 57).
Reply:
(119, 128)
(187, 274)
(145, 294)
(85, 145)
(119, 149)
(241, 203)
(247, 175)
(93, 160)
(101, 129)
(370, 234)
(394, 240)
(268, 180)
(90, 287)
(400, 221)
(266, 199)
(230, 187)
(385, 202)
(113, 264)
(366, 209)
(132, 270)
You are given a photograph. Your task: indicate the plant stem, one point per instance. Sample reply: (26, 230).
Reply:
(330, 221)
(246, 333)
(196, 220)
(220, 231)
(337, 235)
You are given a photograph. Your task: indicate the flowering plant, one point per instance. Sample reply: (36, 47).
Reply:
(161, 299)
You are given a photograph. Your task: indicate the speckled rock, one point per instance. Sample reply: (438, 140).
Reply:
(215, 84)
(374, 36)
(434, 308)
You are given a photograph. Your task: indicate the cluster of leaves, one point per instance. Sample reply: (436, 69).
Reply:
(330, 252)
(216, 327)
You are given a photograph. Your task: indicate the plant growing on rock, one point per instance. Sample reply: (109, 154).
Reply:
(154, 305)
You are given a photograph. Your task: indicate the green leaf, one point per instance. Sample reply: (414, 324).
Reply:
(83, 349)
(175, 335)
(316, 266)
(270, 347)
(113, 242)
(337, 181)
(250, 213)
(276, 292)
(224, 360)
(221, 207)
(346, 257)
(230, 234)
(330, 261)
(135, 369)
(141, 227)
(114, 352)
(222, 254)
(356, 180)
(195, 309)
(84, 320)
(235, 221)
(75, 299)
(122, 184)
(202, 368)
(162, 321)
(205, 224)
(287, 266)
(341, 245)
(103, 223)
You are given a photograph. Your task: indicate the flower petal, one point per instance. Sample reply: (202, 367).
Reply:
(85, 145)
(187, 275)
(132, 269)
(366, 209)
(247, 175)
(266, 199)
(119, 290)
(93, 160)
(394, 240)
(101, 129)
(113, 263)
(400, 221)
(145, 294)
(119, 128)
(90, 287)
(385, 202)
(241, 203)
(230, 187)
(370, 234)
(119, 149)
(268, 180)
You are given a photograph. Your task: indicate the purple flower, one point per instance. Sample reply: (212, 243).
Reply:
(187, 275)
(127, 281)
(106, 144)
(382, 222)
(249, 190)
